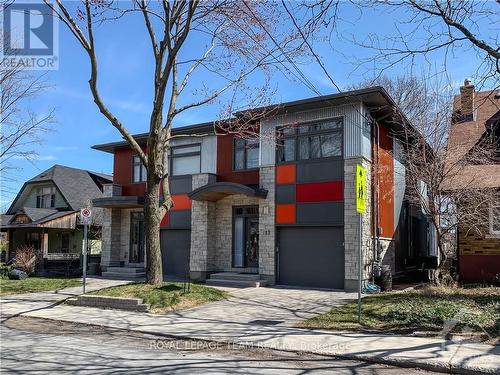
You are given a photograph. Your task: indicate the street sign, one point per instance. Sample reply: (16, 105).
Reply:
(360, 189)
(85, 216)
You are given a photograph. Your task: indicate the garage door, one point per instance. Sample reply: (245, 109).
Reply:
(175, 245)
(311, 257)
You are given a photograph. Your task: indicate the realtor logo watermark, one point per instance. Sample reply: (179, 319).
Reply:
(30, 37)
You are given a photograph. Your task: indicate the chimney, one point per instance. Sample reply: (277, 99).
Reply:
(467, 101)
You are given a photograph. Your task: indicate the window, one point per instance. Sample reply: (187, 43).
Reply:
(310, 141)
(495, 220)
(139, 173)
(246, 154)
(45, 197)
(64, 242)
(185, 160)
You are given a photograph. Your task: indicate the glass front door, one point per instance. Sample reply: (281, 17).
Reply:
(246, 236)
(136, 252)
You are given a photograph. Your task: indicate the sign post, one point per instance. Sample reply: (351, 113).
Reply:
(85, 219)
(361, 209)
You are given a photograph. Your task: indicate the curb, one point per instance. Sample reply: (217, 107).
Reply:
(447, 368)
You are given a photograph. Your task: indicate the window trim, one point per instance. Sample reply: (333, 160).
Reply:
(40, 195)
(297, 135)
(495, 233)
(187, 154)
(143, 168)
(245, 148)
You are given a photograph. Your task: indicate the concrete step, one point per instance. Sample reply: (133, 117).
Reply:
(236, 283)
(235, 276)
(131, 304)
(126, 270)
(124, 276)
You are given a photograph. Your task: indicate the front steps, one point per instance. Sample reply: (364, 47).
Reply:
(125, 273)
(235, 280)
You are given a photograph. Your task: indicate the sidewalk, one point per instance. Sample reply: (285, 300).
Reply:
(430, 352)
(16, 304)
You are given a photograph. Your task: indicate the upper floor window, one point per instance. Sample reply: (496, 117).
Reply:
(495, 220)
(246, 153)
(310, 141)
(45, 197)
(185, 159)
(139, 173)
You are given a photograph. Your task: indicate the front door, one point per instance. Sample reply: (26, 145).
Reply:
(246, 236)
(136, 252)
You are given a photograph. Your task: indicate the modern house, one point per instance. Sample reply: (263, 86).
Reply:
(277, 208)
(45, 213)
(476, 117)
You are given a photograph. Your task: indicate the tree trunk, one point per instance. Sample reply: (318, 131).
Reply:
(154, 274)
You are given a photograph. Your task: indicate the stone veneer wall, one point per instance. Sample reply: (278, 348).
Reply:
(267, 232)
(351, 226)
(111, 227)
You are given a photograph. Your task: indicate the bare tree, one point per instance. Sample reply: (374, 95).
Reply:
(426, 30)
(22, 128)
(438, 175)
(242, 40)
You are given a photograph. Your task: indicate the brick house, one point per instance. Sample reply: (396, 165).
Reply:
(476, 115)
(278, 208)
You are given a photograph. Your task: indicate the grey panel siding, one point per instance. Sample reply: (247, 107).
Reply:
(356, 123)
(175, 247)
(180, 219)
(285, 194)
(324, 170)
(181, 185)
(312, 257)
(320, 213)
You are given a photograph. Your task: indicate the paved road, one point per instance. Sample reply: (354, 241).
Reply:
(42, 346)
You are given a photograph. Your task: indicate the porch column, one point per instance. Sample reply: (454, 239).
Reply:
(202, 257)
(267, 242)
(111, 228)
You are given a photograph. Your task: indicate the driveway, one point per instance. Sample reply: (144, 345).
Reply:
(278, 306)
(16, 304)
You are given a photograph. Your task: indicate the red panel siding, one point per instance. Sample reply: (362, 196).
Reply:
(165, 221)
(181, 202)
(478, 268)
(320, 192)
(225, 164)
(285, 174)
(285, 214)
(386, 184)
(122, 173)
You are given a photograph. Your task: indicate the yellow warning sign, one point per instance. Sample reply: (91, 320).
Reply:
(360, 189)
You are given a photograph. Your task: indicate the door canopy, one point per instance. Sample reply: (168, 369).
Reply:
(218, 190)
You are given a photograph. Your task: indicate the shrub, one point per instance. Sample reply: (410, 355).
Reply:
(27, 258)
(6, 268)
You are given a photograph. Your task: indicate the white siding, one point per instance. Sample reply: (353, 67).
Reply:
(399, 179)
(356, 129)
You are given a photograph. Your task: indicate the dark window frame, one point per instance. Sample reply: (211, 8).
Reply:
(245, 147)
(296, 135)
(143, 173)
(247, 212)
(179, 156)
(137, 216)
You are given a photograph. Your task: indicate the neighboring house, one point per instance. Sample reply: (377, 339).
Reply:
(278, 208)
(476, 115)
(45, 213)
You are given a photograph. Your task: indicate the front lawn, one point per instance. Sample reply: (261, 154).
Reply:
(168, 297)
(427, 309)
(34, 284)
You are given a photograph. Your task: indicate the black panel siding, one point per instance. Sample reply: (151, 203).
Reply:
(180, 219)
(175, 247)
(311, 257)
(320, 213)
(324, 170)
(181, 185)
(285, 194)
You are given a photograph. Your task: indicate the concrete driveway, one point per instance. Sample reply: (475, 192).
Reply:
(277, 306)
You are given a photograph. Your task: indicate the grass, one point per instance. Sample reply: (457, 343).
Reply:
(170, 296)
(427, 309)
(34, 284)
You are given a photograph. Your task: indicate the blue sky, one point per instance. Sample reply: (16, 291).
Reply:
(125, 83)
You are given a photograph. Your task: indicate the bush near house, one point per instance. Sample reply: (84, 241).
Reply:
(428, 309)
(27, 258)
(169, 296)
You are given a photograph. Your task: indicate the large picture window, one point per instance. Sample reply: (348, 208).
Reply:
(246, 154)
(139, 173)
(310, 141)
(45, 197)
(185, 160)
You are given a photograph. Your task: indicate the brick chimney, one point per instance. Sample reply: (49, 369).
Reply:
(467, 101)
